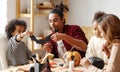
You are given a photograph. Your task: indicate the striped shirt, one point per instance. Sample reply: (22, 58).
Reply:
(18, 53)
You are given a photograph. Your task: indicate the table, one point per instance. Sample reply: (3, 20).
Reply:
(61, 69)
(56, 69)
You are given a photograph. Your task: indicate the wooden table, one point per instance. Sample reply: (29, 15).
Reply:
(56, 69)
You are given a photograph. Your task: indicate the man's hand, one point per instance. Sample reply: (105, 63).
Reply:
(57, 36)
(47, 47)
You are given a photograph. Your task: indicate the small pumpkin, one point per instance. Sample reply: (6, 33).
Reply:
(72, 55)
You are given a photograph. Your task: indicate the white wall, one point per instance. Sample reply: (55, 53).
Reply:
(82, 11)
(11, 9)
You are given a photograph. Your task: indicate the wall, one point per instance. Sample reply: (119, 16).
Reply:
(82, 11)
(11, 9)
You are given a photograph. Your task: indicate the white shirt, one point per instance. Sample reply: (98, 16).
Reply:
(113, 62)
(94, 48)
(61, 48)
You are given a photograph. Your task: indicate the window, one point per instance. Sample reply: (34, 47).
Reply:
(3, 15)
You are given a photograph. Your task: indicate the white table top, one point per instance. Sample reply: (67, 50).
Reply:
(57, 68)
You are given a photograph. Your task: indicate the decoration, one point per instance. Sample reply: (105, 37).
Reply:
(72, 56)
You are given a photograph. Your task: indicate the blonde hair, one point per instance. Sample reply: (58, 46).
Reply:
(110, 25)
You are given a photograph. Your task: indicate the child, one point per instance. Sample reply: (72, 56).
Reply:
(95, 46)
(109, 26)
(18, 53)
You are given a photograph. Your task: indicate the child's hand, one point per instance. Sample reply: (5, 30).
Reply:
(28, 33)
(106, 50)
(85, 62)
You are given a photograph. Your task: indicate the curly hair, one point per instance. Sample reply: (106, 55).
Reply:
(60, 9)
(98, 15)
(11, 26)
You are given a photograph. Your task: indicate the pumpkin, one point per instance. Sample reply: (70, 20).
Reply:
(72, 55)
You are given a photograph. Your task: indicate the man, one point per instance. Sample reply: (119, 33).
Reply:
(68, 37)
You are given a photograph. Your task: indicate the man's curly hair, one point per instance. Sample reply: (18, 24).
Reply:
(60, 9)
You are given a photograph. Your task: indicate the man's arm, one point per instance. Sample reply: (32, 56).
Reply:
(78, 44)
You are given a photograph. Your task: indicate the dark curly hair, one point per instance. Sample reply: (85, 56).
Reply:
(60, 9)
(10, 27)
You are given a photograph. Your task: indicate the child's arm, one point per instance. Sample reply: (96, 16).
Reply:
(106, 50)
(21, 36)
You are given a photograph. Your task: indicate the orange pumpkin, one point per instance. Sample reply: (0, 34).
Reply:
(72, 55)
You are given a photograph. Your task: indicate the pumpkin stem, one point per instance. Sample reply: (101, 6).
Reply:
(72, 49)
(72, 57)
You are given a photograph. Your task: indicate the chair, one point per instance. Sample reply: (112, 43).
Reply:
(3, 51)
(0, 64)
(88, 31)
